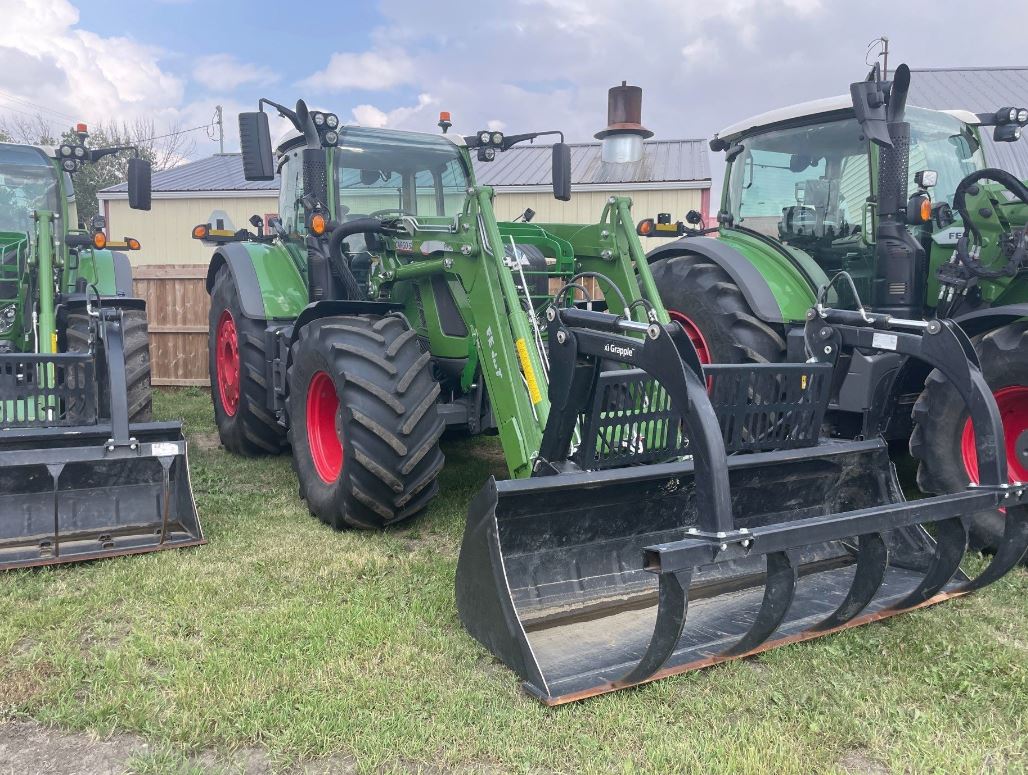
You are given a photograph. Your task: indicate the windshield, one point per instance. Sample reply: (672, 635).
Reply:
(27, 182)
(941, 142)
(382, 172)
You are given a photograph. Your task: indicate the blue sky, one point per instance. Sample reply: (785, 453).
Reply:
(515, 65)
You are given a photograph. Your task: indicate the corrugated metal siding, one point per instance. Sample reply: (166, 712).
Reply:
(663, 161)
(979, 90)
(165, 233)
(223, 172)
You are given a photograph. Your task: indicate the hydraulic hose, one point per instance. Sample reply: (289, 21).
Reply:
(338, 261)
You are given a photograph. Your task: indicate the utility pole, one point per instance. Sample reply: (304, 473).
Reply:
(885, 60)
(219, 119)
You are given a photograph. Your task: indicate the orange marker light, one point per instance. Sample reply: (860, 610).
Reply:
(133, 243)
(926, 210)
(200, 232)
(318, 224)
(644, 227)
(444, 115)
(99, 240)
(81, 128)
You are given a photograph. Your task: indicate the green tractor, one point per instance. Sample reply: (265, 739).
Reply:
(385, 303)
(84, 474)
(895, 213)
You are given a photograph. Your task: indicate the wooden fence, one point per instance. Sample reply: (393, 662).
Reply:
(177, 307)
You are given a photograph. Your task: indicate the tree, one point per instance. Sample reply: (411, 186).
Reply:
(161, 149)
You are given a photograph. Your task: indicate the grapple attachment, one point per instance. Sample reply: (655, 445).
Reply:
(74, 487)
(741, 530)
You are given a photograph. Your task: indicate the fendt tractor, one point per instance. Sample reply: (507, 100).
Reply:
(385, 303)
(84, 474)
(810, 201)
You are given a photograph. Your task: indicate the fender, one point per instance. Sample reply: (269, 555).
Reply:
(270, 286)
(108, 270)
(755, 288)
(328, 308)
(982, 320)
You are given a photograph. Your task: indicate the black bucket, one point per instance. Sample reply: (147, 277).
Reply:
(586, 581)
(67, 494)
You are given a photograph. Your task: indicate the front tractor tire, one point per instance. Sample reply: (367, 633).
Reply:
(136, 341)
(239, 389)
(943, 440)
(364, 425)
(708, 304)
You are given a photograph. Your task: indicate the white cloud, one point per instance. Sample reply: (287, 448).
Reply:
(74, 72)
(225, 72)
(366, 70)
(398, 118)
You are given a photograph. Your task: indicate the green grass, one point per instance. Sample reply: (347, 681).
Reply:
(283, 635)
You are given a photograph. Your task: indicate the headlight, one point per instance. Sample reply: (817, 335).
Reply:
(80, 152)
(69, 165)
(331, 138)
(332, 120)
(483, 138)
(1022, 116)
(66, 150)
(1012, 115)
(319, 119)
(7, 316)
(497, 138)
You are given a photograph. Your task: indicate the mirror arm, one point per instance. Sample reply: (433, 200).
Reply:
(283, 111)
(95, 154)
(511, 140)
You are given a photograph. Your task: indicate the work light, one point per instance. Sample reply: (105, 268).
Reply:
(319, 119)
(497, 138)
(483, 138)
(332, 120)
(7, 317)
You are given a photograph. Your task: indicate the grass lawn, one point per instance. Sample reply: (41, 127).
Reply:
(286, 636)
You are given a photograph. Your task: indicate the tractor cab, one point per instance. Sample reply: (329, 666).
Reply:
(806, 177)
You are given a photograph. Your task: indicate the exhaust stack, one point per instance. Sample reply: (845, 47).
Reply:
(624, 135)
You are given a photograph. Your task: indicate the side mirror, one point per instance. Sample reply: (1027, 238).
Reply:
(255, 143)
(871, 111)
(562, 172)
(139, 173)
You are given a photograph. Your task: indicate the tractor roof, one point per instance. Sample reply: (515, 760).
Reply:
(292, 137)
(839, 106)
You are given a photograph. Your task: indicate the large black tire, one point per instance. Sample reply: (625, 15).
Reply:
(136, 335)
(940, 416)
(245, 424)
(706, 295)
(363, 384)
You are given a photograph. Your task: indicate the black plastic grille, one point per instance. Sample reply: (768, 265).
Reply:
(759, 407)
(40, 391)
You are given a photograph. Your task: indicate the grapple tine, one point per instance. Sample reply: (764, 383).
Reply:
(672, 604)
(872, 563)
(779, 590)
(950, 546)
(1010, 552)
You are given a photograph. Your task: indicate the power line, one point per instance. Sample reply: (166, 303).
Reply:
(35, 105)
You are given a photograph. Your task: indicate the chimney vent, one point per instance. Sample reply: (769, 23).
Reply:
(622, 139)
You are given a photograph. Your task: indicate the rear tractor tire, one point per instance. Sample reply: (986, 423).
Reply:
(364, 424)
(711, 308)
(943, 441)
(239, 389)
(137, 361)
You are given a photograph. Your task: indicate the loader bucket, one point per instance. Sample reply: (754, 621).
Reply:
(593, 580)
(73, 488)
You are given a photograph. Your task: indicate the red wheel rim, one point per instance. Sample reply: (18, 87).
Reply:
(226, 363)
(1013, 409)
(693, 332)
(326, 446)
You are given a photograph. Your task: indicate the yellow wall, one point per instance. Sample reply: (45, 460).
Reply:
(165, 231)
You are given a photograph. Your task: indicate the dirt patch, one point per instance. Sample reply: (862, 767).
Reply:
(860, 763)
(204, 442)
(29, 747)
(20, 685)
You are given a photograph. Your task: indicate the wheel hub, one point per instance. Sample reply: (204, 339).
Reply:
(227, 363)
(324, 439)
(694, 334)
(1013, 409)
